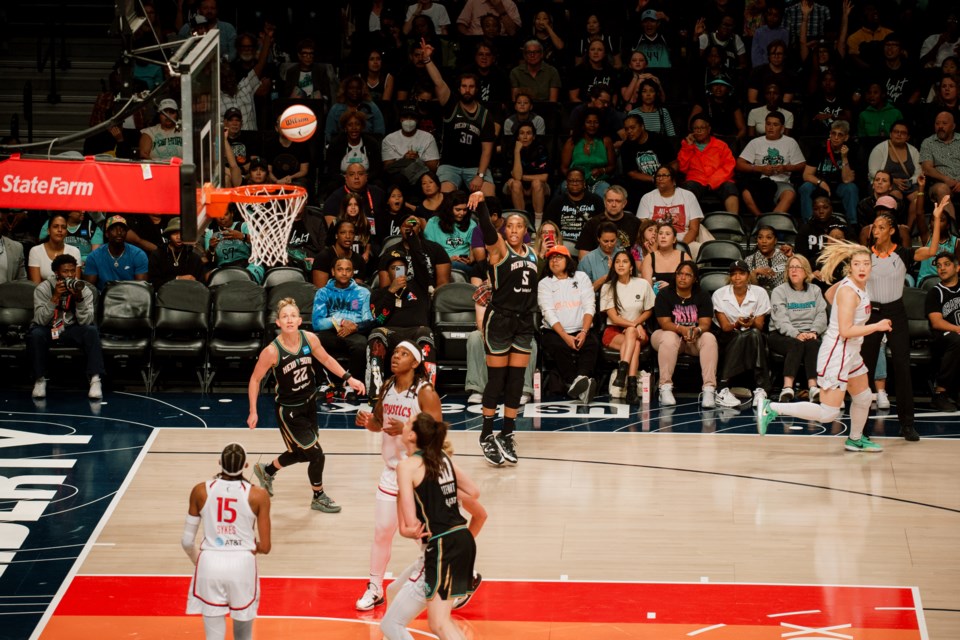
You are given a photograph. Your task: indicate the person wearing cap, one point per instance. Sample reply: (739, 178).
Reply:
(409, 151)
(175, 260)
(726, 116)
(236, 527)
(258, 172)
(652, 43)
(117, 259)
(708, 164)
(830, 171)
(740, 312)
(163, 140)
(244, 142)
(568, 305)
(770, 160)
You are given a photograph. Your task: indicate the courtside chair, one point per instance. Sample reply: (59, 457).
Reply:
(716, 255)
(725, 226)
(279, 275)
(180, 330)
(16, 314)
(126, 327)
(236, 328)
(228, 274)
(453, 318)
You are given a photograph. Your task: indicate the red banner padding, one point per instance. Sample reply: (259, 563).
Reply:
(90, 185)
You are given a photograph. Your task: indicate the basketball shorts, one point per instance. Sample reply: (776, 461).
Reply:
(837, 362)
(387, 487)
(225, 582)
(448, 564)
(504, 331)
(298, 424)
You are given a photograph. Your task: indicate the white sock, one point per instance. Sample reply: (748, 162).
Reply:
(805, 410)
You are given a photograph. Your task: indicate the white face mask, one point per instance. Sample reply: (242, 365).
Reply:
(408, 126)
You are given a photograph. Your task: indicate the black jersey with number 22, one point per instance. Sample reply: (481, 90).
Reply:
(296, 382)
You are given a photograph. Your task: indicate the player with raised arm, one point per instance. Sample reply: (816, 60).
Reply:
(291, 357)
(236, 526)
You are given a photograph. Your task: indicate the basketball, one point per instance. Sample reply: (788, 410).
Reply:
(298, 123)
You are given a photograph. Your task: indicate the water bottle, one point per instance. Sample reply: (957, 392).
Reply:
(536, 385)
(644, 387)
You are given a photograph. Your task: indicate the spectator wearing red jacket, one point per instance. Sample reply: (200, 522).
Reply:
(708, 165)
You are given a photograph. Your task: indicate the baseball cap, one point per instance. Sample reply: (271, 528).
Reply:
(112, 220)
(231, 113)
(559, 250)
(721, 79)
(409, 111)
(649, 14)
(259, 163)
(886, 202)
(168, 104)
(738, 265)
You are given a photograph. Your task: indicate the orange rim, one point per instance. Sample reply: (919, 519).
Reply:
(218, 200)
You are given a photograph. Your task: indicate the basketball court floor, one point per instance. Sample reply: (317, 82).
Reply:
(616, 523)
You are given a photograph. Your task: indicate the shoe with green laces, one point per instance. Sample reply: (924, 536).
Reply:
(765, 415)
(266, 480)
(325, 503)
(863, 444)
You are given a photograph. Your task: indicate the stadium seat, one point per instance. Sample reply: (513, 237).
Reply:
(716, 255)
(783, 224)
(228, 274)
(725, 226)
(16, 314)
(454, 317)
(930, 282)
(302, 292)
(710, 282)
(921, 354)
(278, 275)
(180, 330)
(126, 327)
(236, 327)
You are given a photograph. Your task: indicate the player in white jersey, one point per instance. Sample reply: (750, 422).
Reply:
(407, 393)
(236, 527)
(840, 369)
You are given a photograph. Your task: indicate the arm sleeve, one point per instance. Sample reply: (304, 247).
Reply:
(486, 225)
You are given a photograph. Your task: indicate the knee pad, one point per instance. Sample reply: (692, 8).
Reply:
(496, 377)
(828, 414)
(862, 399)
(514, 389)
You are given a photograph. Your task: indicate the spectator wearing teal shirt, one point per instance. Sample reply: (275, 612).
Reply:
(453, 229)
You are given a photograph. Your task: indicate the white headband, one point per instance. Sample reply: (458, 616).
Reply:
(412, 348)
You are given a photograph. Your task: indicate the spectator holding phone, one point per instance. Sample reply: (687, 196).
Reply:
(436, 262)
(453, 230)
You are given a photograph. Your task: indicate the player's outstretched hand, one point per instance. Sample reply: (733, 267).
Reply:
(475, 199)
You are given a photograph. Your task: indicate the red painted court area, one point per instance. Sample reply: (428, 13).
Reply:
(152, 608)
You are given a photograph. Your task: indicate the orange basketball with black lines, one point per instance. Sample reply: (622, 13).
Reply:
(298, 123)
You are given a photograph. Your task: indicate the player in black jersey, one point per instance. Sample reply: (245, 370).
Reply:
(428, 481)
(508, 327)
(291, 356)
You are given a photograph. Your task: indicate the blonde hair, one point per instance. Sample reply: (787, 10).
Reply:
(538, 243)
(805, 265)
(835, 253)
(287, 302)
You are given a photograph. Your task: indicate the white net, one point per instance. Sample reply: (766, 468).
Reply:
(269, 211)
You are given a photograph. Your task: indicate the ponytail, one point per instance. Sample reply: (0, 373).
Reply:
(431, 435)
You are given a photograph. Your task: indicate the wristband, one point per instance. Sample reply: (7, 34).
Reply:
(346, 376)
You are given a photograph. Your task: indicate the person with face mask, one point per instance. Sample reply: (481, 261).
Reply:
(410, 152)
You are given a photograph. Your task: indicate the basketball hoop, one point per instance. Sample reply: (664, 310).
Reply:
(269, 211)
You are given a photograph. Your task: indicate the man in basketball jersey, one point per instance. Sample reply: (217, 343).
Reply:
(234, 514)
(291, 357)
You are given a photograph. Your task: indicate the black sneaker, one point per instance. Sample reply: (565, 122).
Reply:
(909, 432)
(579, 385)
(462, 602)
(507, 447)
(491, 451)
(941, 402)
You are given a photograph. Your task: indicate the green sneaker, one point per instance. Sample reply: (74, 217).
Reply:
(325, 503)
(765, 415)
(863, 444)
(266, 480)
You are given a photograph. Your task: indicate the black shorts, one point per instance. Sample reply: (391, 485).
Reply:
(298, 424)
(448, 564)
(505, 331)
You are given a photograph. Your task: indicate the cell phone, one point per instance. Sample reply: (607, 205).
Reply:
(399, 271)
(550, 238)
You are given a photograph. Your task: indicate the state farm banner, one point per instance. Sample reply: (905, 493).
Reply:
(90, 185)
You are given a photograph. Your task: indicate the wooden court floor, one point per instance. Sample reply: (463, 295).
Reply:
(687, 508)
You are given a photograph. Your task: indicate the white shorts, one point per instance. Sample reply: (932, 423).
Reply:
(837, 362)
(225, 582)
(388, 483)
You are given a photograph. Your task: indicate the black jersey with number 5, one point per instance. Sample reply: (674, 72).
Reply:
(514, 282)
(296, 382)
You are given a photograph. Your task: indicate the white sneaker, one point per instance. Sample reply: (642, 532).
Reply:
(96, 391)
(759, 395)
(666, 395)
(372, 597)
(475, 398)
(40, 389)
(726, 399)
(709, 397)
(524, 399)
(786, 395)
(883, 400)
(814, 394)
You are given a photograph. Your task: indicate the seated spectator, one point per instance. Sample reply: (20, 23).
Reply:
(772, 29)
(308, 236)
(945, 98)
(412, 74)
(881, 185)
(146, 231)
(470, 18)
(116, 260)
(590, 151)
(949, 244)
(344, 246)
(435, 259)
(12, 266)
(82, 233)
(631, 78)
(354, 146)
(397, 210)
(229, 243)
(798, 317)
(432, 198)
(773, 72)
(64, 312)
(401, 311)
(770, 160)
(673, 205)
(288, 162)
(596, 264)
(614, 202)
(943, 311)
(244, 143)
(708, 164)
(259, 172)
(641, 154)
(813, 234)
(571, 209)
(379, 81)
(239, 91)
(593, 29)
(533, 75)
(354, 96)
(436, 13)
(940, 160)
(655, 116)
(667, 254)
(767, 264)
(41, 257)
(206, 17)
(351, 210)
(654, 45)
(372, 199)
(453, 230)
(726, 116)
(410, 152)
(493, 83)
(831, 171)
(523, 112)
(646, 242)
(756, 118)
(899, 159)
(163, 140)
(879, 115)
(628, 301)
(530, 170)
(593, 71)
(684, 315)
(568, 304)
(725, 38)
(174, 260)
(827, 105)
(600, 97)
(740, 311)
(341, 317)
(548, 236)
(552, 43)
